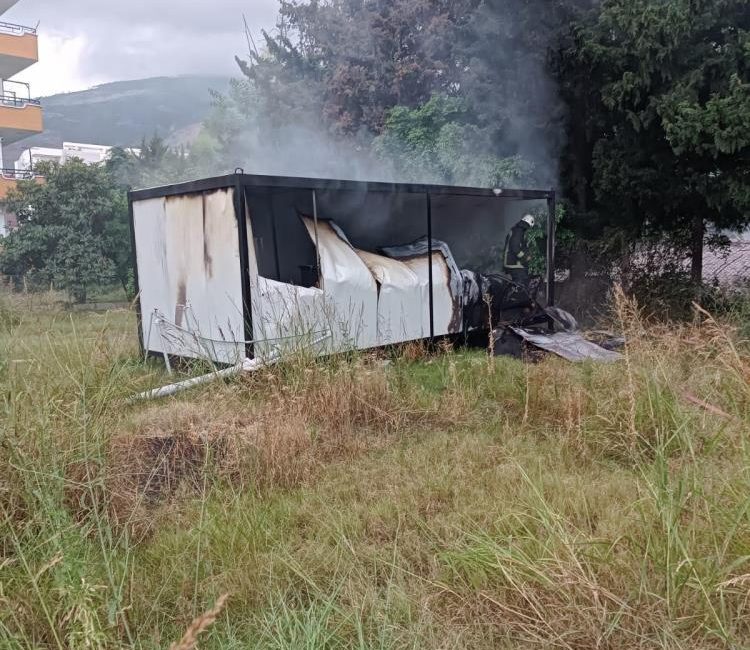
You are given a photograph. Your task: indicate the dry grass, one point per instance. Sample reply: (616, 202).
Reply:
(275, 430)
(189, 640)
(435, 501)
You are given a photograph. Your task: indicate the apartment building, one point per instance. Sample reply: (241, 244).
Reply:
(20, 115)
(91, 154)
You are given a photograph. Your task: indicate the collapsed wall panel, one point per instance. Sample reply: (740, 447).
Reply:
(400, 300)
(350, 289)
(286, 318)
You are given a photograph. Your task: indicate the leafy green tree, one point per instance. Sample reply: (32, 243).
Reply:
(672, 155)
(438, 141)
(364, 66)
(154, 163)
(353, 61)
(72, 229)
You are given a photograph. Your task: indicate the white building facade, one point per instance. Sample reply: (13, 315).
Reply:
(91, 154)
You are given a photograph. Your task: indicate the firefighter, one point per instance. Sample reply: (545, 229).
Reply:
(516, 257)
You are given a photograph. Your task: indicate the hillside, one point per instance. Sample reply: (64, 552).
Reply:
(123, 112)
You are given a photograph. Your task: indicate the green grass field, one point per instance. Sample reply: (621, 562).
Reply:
(442, 501)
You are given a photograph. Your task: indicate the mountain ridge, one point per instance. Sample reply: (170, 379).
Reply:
(122, 113)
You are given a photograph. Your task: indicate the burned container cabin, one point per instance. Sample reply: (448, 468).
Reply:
(242, 266)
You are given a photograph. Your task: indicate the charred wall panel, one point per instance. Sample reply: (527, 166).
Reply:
(262, 235)
(187, 250)
(286, 313)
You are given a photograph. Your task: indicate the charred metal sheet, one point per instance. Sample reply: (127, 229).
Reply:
(472, 290)
(568, 345)
(422, 247)
(448, 282)
(562, 318)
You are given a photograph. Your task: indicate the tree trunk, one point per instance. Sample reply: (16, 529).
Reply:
(124, 281)
(696, 253)
(79, 294)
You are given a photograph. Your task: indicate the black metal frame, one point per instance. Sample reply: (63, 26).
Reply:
(241, 182)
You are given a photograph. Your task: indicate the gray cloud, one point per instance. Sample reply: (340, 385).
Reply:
(129, 39)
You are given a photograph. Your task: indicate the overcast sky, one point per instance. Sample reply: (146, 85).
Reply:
(83, 43)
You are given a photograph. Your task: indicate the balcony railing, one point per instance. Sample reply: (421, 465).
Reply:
(11, 99)
(16, 30)
(11, 174)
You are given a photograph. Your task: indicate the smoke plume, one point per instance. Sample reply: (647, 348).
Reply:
(305, 105)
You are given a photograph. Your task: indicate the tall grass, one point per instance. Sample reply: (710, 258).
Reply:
(404, 500)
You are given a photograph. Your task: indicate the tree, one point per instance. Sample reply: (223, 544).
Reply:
(438, 142)
(72, 229)
(672, 157)
(154, 163)
(354, 61)
(637, 109)
(505, 53)
(363, 66)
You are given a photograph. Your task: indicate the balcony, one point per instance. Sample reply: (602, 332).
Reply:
(20, 117)
(19, 48)
(10, 177)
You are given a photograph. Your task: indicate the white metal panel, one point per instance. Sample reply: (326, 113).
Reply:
(286, 318)
(350, 290)
(400, 300)
(444, 305)
(189, 270)
(149, 222)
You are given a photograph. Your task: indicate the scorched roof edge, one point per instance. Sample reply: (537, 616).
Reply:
(324, 184)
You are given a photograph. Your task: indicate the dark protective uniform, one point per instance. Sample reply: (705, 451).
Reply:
(516, 256)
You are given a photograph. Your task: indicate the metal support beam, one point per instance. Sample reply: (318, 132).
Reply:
(551, 234)
(317, 242)
(245, 242)
(429, 266)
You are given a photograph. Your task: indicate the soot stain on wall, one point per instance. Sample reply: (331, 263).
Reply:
(179, 311)
(208, 262)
